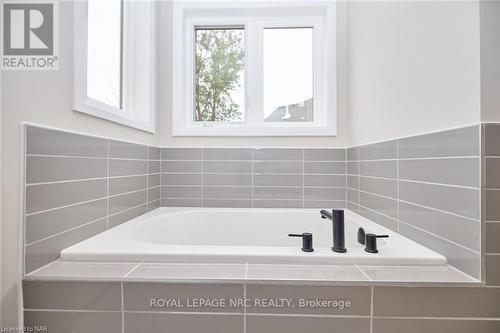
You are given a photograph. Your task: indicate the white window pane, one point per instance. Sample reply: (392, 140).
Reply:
(219, 83)
(104, 51)
(288, 75)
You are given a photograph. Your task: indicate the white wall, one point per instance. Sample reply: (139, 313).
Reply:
(413, 68)
(43, 97)
(490, 61)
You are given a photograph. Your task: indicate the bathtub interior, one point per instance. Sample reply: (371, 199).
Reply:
(246, 227)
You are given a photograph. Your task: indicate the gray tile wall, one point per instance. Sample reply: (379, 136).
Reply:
(427, 188)
(492, 203)
(125, 307)
(253, 177)
(78, 186)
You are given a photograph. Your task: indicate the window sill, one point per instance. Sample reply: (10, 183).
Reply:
(125, 121)
(261, 131)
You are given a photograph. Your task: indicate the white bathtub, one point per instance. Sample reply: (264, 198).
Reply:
(244, 235)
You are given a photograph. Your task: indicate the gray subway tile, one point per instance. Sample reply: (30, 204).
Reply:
(154, 153)
(182, 323)
(285, 324)
(137, 295)
(277, 193)
(181, 202)
(154, 166)
(454, 171)
(457, 256)
(462, 201)
(331, 154)
(154, 180)
(277, 180)
(324, 193)
(353, 195)
(385, 187)
(358, 296)
(492, 173)
(227, 179)
(492, 263)
(227, 154)
(181, 153)
(418, 325)
(492, 237)
(72, 295)
(352, 154)
(338, 204)
(491, 139)
(74, 322)
(492, 198)
(181, 166)
(154, 204)
(188, 192)
(325, 180)
(127, 167)
(328, 168)
(49, 223)
(124, 216)
(154, 193)
(43, 169)
(121, 149)
(214, 192)
(181, 179)
(79, 271)
(379, 151)
(380, 204)
(43, 141)
(277, 167)
(456, 142)
(352, 206)
(353, 182)
(457, 229)
(227, 166)
(48, 196)
(289, 154)
(453, 302)
(190, 271)
(384, 169)
(126, 184)
(227, 203)
(352, 168)
(267, 203)
(383, 220)
(45, 251)
(126, 201)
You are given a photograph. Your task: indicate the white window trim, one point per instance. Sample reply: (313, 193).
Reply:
(325, 63)
(84, 104)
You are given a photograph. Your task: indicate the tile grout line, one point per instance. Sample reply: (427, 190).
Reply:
(107, 186)
(372, 293)
(397, 186)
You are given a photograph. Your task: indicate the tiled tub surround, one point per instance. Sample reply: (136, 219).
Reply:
(78, 186)
(427, 188)
(253, 177)
(492, 203)
(126, 307)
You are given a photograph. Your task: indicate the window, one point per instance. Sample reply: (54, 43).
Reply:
(114, 61)
(254, 69)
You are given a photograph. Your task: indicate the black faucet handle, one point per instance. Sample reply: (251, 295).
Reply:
(371, 242)
(307, 241)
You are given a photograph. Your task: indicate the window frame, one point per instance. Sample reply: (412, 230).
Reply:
(126, 114)
(324, 67)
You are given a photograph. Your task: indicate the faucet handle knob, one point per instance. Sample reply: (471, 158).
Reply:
(371, 242)
(307, 241)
